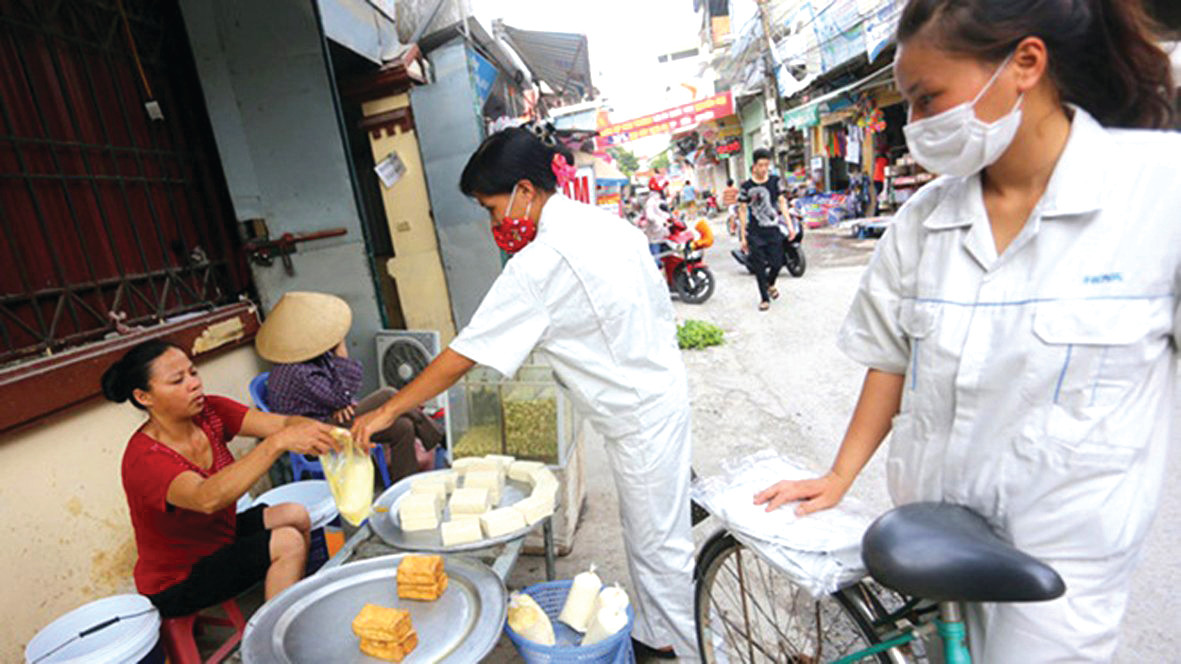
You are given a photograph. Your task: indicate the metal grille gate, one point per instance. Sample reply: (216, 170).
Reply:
(107, 218)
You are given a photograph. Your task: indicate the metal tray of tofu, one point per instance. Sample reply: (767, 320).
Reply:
(311, 622)
(387, 525)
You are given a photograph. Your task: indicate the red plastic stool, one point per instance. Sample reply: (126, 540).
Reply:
(181, 645)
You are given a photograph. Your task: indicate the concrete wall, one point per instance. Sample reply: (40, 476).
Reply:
(449, 131)
(68, 538)
(271, 103)
(416, 267)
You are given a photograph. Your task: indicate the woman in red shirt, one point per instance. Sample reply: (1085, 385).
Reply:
(182, 485)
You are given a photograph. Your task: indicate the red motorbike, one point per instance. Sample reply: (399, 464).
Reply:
(683, 262)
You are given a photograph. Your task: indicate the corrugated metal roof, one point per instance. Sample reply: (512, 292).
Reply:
(558, 58)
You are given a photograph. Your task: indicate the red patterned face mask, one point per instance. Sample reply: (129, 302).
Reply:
(513, 233)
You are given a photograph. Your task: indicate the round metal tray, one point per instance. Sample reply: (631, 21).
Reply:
(312, 621)
(385, 522)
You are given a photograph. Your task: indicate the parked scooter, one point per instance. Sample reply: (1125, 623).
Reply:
(683, 262)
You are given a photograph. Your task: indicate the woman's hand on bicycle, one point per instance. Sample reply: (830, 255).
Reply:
(814, 495)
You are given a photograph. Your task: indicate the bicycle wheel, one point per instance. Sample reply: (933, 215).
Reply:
(748, 611)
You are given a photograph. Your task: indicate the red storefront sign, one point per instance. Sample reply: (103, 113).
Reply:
(668, 121)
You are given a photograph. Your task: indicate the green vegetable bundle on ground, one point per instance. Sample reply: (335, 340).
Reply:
(696, 334)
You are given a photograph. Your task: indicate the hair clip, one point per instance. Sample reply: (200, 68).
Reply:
(562, 170)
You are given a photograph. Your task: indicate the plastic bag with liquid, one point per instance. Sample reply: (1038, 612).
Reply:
(349, 473)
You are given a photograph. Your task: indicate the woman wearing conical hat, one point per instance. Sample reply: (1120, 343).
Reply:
(313, 376)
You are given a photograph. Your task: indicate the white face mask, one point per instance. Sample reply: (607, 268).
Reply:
(956, 142)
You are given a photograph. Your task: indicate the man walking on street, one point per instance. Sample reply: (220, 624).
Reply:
(730, 202)
(763, 207)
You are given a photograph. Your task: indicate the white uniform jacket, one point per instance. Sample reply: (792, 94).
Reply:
(586, 294)
(1039, 383)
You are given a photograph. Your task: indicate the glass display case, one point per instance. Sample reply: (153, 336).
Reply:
(526, 416)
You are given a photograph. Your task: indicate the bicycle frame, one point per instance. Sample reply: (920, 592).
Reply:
(949, 626)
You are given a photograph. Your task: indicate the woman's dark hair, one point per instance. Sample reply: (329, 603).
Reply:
(760, 153)
(132, 371)
(507, 157)
(1102, 53)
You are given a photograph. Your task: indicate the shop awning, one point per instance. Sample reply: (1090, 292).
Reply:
(808, 115)
(558, 58)
(802, 117)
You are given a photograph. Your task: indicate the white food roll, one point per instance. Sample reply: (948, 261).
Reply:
(607, 621)
(612, 597)
(528, 619)
(580, 603)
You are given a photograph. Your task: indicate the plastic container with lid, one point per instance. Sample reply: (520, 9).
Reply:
(121, 628)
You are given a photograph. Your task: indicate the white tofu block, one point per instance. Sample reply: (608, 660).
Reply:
(503, 460)
(448, 477)
(493, 480)
(522, 471)
(419, 511)
(543, 476)
(462, 531)
(430, 487)
(416, 525)
(534, 509)
(469, 501)
(468, 464)
(502, 522)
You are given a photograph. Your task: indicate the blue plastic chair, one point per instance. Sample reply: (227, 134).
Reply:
(300, 465)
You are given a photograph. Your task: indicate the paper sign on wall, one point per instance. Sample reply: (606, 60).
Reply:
(390, 170)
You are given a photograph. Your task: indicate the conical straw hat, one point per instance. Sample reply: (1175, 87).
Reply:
(303, 326)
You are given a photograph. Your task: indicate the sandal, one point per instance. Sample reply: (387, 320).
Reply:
(763, 306)
(773, 292)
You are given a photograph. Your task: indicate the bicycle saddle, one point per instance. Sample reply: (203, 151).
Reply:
(948, 553)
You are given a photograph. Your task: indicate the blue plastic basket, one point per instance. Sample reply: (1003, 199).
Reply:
(551, 597)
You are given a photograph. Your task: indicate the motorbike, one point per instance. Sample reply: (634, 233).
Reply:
(683, 264)
(793, 253)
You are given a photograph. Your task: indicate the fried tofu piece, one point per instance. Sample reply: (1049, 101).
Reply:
(379, 623)
(423, 592)
(425, 570)
(390, 651)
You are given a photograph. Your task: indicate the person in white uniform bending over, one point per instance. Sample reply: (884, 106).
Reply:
(581, 290)
(1021, 318)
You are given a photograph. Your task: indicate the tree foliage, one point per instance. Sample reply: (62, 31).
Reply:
(627, 162)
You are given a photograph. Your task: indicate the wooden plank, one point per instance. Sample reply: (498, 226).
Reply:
(33, 390)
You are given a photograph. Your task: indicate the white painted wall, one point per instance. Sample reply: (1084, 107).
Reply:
(68, 537)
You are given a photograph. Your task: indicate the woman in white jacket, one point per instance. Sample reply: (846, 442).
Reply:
(582, 291)
(1021, 318)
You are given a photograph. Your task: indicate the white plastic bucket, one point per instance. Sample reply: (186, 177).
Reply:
(122, 628)
(312, 494)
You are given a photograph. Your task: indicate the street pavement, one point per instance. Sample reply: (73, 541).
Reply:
(780, 382)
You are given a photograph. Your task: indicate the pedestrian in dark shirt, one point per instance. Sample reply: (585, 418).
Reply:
(314, 377)
(763, 206)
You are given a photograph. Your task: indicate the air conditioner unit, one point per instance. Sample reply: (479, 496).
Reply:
(402, 355)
